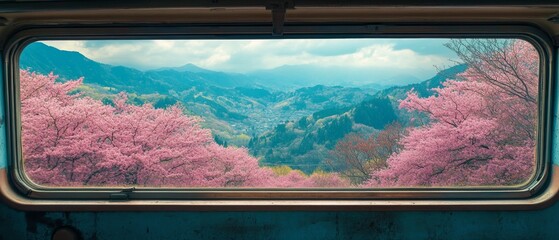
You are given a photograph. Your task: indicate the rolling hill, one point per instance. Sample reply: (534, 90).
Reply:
(303, 144)
(233, 105)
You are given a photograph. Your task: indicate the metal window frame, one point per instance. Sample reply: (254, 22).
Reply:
(22, 193)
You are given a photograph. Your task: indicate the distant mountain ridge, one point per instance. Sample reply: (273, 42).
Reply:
(189, 67)
(423, 88)
(292, 77)
(72, 65)
(231, 104)
(69, 65)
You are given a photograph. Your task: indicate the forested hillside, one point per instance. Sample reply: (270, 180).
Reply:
(304, 144)
(233, 105)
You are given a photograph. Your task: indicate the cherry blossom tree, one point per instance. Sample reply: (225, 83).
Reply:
(356, 157)
(74, 140)
(318, 179)
(482, 126)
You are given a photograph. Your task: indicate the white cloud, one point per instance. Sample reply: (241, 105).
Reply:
(374, 56)
(250, 55)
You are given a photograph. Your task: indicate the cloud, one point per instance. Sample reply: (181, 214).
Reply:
(419, 55)
(373, 56)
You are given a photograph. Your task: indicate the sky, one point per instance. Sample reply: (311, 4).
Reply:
(417, 57)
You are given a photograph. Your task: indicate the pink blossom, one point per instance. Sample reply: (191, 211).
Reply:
(482, 129)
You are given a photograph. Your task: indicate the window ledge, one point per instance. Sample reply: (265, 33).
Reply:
(16, 200)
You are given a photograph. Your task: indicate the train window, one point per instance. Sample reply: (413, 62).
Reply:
(335, 116)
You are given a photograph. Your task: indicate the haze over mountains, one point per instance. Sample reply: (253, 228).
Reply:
(287, 116)
(293, 76)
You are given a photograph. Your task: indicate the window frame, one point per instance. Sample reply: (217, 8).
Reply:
(18, 189)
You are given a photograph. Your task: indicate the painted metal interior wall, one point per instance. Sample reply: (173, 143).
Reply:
(285, 225)
(538, 224)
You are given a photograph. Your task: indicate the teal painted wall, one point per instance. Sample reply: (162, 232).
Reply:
(286, 225)
(3, 152)
(540, 224)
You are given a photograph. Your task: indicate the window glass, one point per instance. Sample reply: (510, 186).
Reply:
(282, 113)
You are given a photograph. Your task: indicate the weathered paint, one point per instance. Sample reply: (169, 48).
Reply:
(3, 152)
(540, 224)
(285, 225)
(555, 139)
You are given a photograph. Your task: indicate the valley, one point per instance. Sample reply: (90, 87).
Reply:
(285, 123)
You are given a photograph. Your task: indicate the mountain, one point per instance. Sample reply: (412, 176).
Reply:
(423, 88)
(189, 67)
(69, 65)
(201, 75)
(39, 57)
(304, 144)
